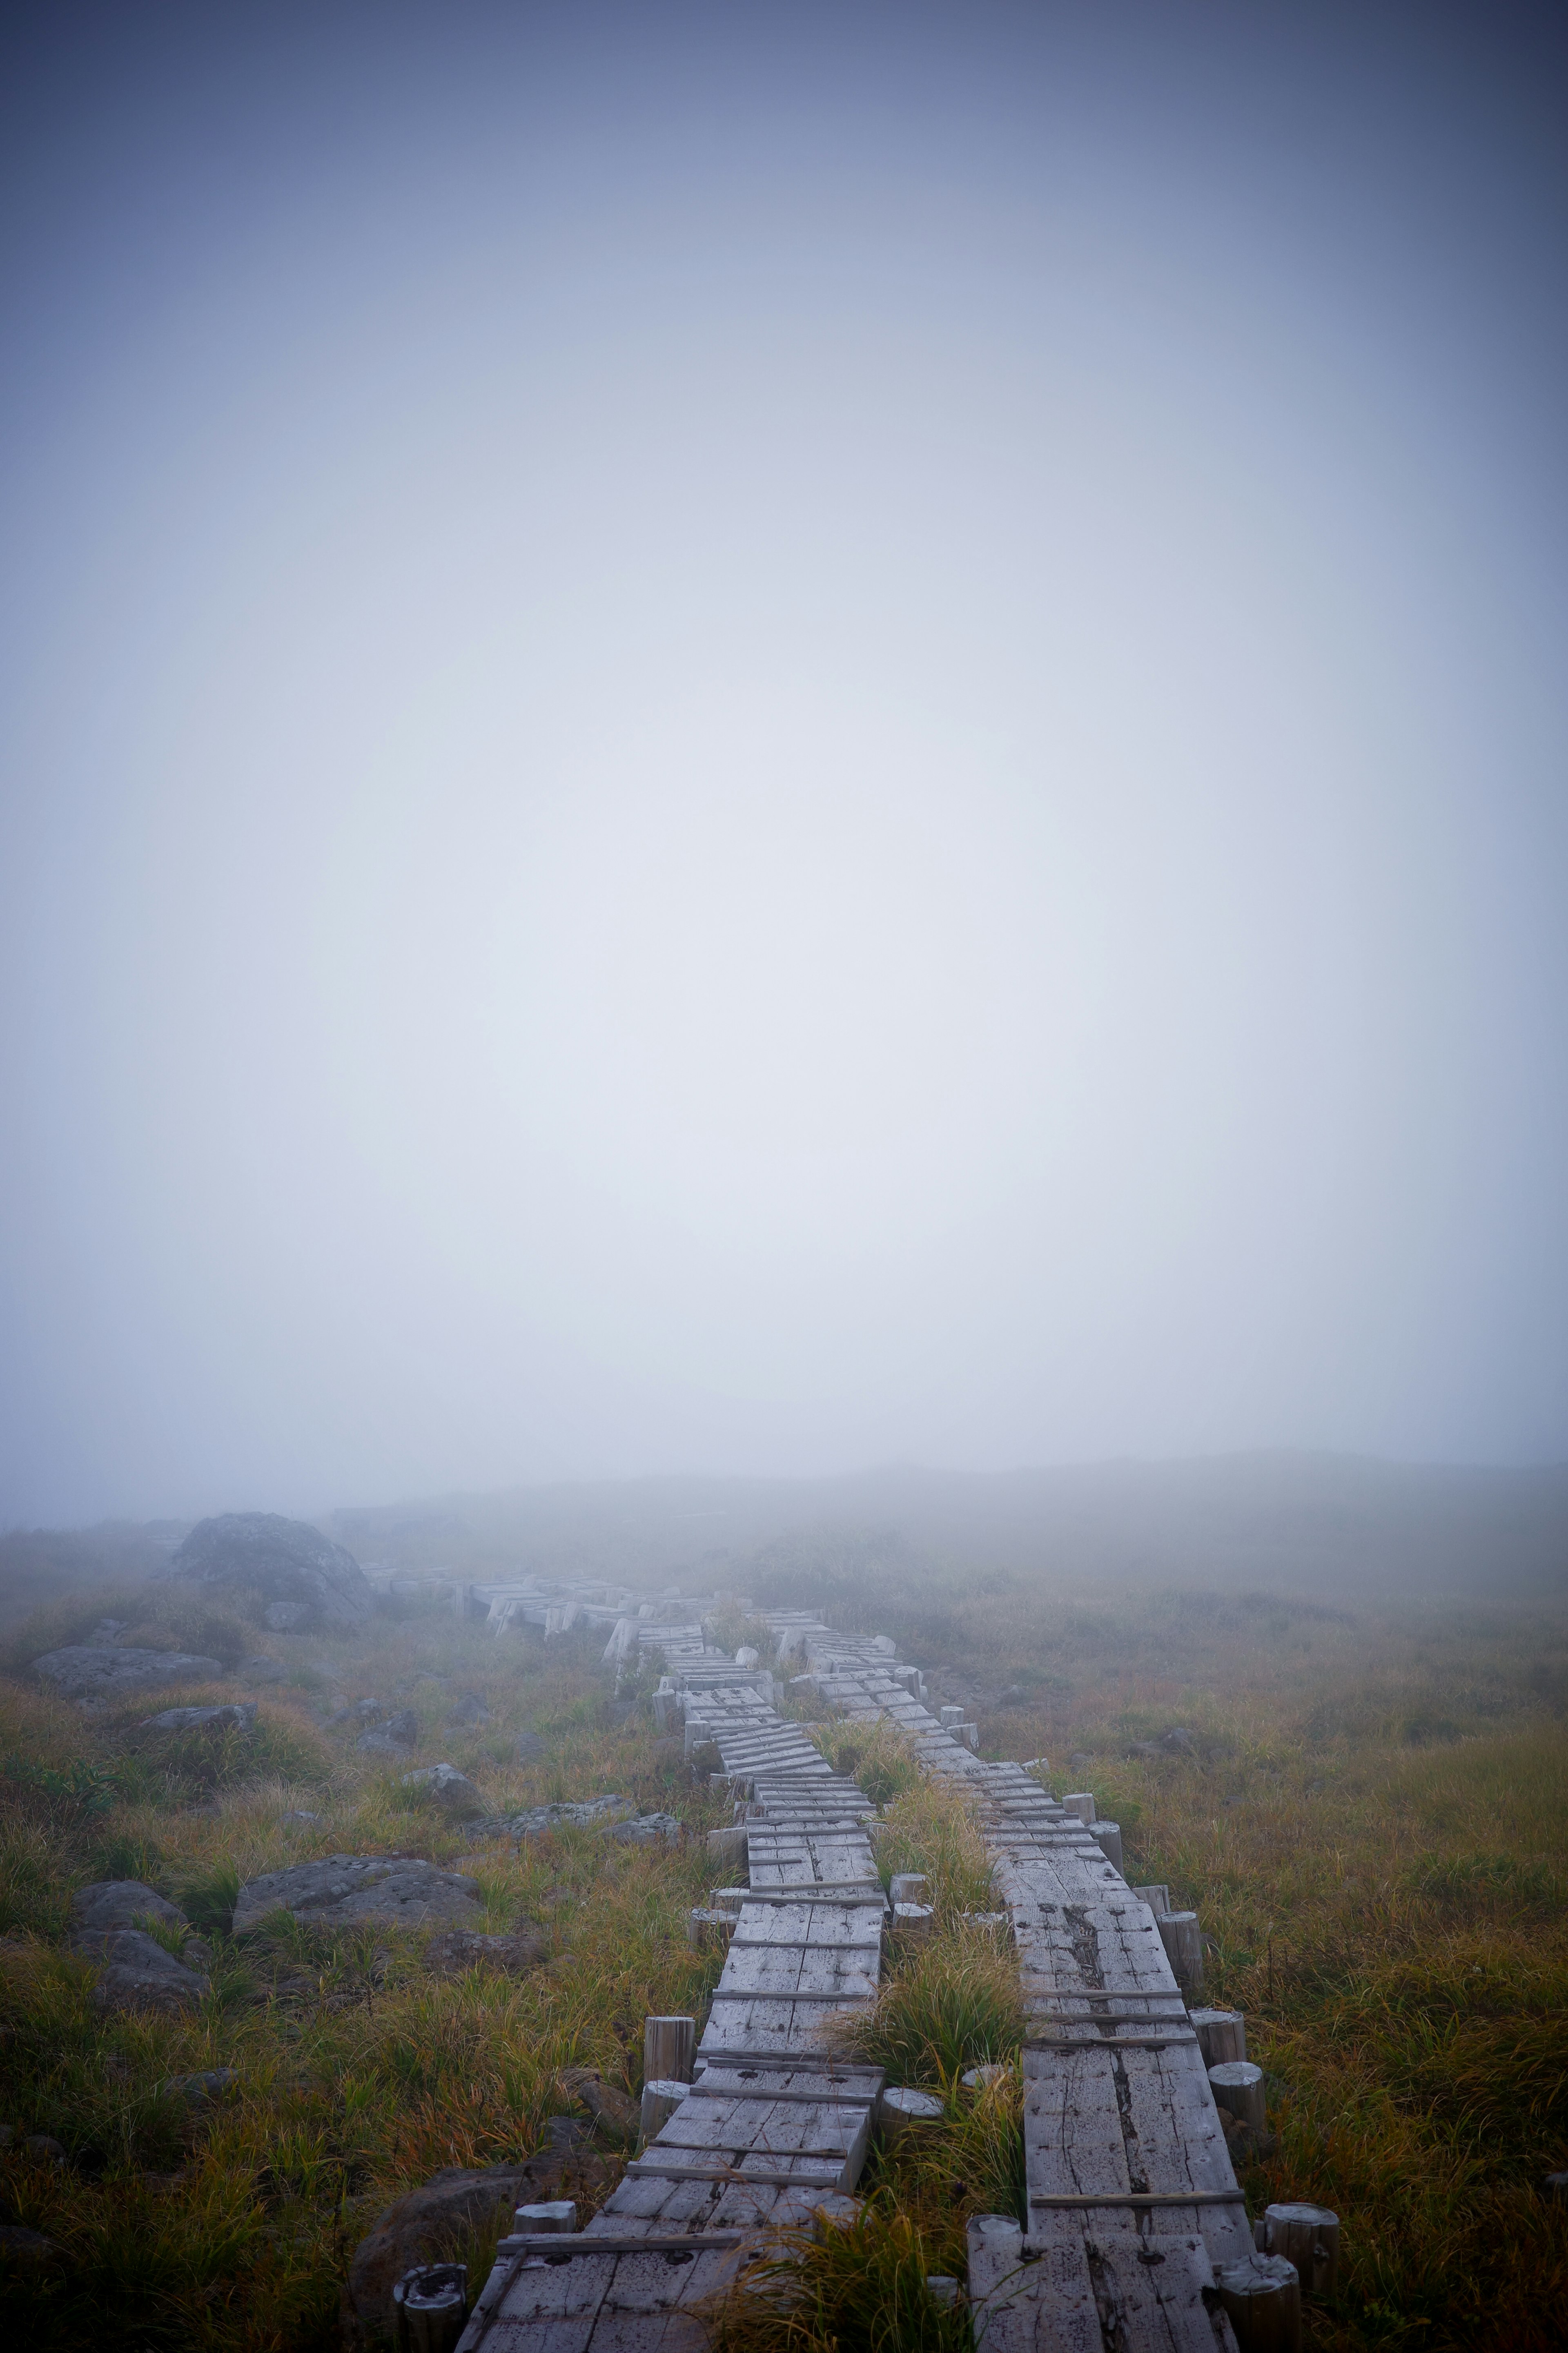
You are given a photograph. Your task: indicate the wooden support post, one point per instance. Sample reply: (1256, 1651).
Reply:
(1081, 1803)
(1237, 2085)
(916, 1920)
(1183, 1943)
(661, 2096)
(1309, 2237)
(707, 1932)
(900, 2110)
(1222, 2035)
(728, 1847)
(1261, 2296)
(1106, 1836)
(906, 1887)
(551, 2214)
(668, 2047)
(694, 1737)
(1157, 1897)
(430, 2306)
(951, 1717)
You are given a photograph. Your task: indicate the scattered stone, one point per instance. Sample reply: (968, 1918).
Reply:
(293, 1565)
(1145, 1748)
(299, 1814)
(341, 1890)
(1178, 1741)
(264, 1670)
(396, 1737)
(531, 1747)
(238, 1716)
(136, 1973)
(1078, 1758)
(649, 1830)
(18, 2245)
(461, 1949)
(80, 1671)
(200, 2090)
(123, 1903)
(567, 2136)
(608, 2105)
(44, 2149)
(471, 1710)
(447, 1788)
(366, 1711)
(453, 2206)
(106, 1629)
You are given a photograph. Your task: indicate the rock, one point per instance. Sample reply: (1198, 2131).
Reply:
(396, 1737)
(1178, 1741)
(18, 2245)
(461, 1949)
(366, 1711)
(80, 1672)
(121, 1903)
(44, 2149)
(1145, 1748)
(531, 1747)
(447, 1788)
(1079, 1760)
(238, 1716)
(107, 1629)
(263, 1670)
(299, 1814)
(648, 1830)
(608, 2105)
(452, 2206)
(471, 1710)
(200, 2090)
(292, 1566)
(136, 1973)
(344, 1889)
(588, 1813)
(566, 2136)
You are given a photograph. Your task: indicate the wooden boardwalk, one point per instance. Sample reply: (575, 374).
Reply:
(1131, 2199)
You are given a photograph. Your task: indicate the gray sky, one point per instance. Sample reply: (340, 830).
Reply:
(758, 741)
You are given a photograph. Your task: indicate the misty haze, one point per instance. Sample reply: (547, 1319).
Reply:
(783, 1404)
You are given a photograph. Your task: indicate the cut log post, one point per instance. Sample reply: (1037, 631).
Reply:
(913, 1920)
(1081, 1803)
(1237, 2085)
(746, 1657)
(1183, 1943)
(430, 2306)
(900, 2111)
(951, 1717)
(661, 2096)
(906, 1887)
(707, 1932)
(661, 1706)
(1107, 1837)
(909, 1677)
(1262, 2296)
(694, 1737)
(970, 1735)
(1222, 2035)
(834, 2213)
(726, 1899)
(728, 1847)
(549, 2214)
(941, 2287)
(1157, 1897)
(669, 2049)
(1309, 2237)
(975, 2079)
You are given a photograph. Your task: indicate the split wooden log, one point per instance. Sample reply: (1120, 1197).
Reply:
(1183, 1943)
(1106, 1836)
(900, 2110)
(1309, 2237)
(1081, 1803)
(728, 1847)
(669, 2049)
(1157, 1897)
(1222, 2035)
(951, 1717)
(430, 2306)
(913, 1920)
(1261, 2296)
(906, 1887)
(696, 1735)
(549, 2214)
(1237, 2086)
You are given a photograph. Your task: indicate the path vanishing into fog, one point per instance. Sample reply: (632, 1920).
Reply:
(1132, 2201)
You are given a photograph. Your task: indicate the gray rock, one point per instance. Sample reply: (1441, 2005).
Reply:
(648, 1830)
(121, 1904)
(1178, 1740)
(44, 2149)
(287, 1562)
(531, 1747)
(20, 2245)
(589, 1813)
(345, 1889)
(367, 1711)
(80, 1672)
(298, 1814)
(107, 1629)
(396, 1737)
(286, 1617)
(238, 1716)
(471, 1710)
(211, 2085)
(136, 1973)
(452, 1790)
(263, 1671)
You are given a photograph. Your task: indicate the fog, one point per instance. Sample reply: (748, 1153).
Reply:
(763, 741)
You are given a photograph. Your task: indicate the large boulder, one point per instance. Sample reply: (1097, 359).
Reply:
(81, 1671)
(123, 1903)
(432, 2222)
(444, 1786)
(135, 1972)
(304, 1579)
(343, 1889)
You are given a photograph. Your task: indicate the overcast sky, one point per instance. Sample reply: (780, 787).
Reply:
(755, 740)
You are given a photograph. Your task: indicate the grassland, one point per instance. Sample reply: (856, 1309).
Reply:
(1369, 1817)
